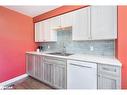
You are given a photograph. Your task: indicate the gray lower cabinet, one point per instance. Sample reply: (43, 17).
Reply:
(49, 70)
(48, 73)
(108, 82)
(109, 77)
(30, 64)
(34, 66)
(55, 72)
(38, 67)
(60, 76)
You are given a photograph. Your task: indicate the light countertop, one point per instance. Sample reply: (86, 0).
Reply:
(84, 57)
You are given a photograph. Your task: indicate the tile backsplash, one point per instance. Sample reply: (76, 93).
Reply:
(64, 38)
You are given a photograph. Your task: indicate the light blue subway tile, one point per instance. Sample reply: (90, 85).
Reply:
(101, 47)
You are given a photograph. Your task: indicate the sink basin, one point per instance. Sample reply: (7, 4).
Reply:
(61, 54)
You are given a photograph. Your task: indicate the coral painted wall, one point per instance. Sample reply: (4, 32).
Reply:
(16, 37)
(121, 42)
(57, 11)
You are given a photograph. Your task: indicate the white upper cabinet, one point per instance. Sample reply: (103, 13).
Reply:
(54, 25)
(39, 32)
(67, 19)
(81, 24)
(49, 32)
(44, 30)
(103, 22)
(55, 22)
(89, 23)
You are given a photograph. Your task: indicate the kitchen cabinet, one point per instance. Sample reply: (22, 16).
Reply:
(103, 22)
(49, 34)
(48, 73)
(44, 31)
(55, 23)
(47, 31)
(30, 64)
(55, 72)
(39, 32)
(89, 23)
(67, 19)
(60, 75)
(38, 67)
(81, 24)
(95, 23)
(34, 66)
(49, 70)
(108, 82)
(109, 77)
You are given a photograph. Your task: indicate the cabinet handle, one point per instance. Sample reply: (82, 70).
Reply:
(108, 69)
(80, 65)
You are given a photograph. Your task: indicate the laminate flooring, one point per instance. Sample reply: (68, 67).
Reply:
(29, 83)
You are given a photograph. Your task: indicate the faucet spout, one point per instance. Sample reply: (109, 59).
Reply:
(63, 49)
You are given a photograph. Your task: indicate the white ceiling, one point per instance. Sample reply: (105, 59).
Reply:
(31, 11)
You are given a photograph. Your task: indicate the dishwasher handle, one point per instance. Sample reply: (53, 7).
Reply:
(80, 65)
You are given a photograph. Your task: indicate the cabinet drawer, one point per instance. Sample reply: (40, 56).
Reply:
(109, 70)
(55, 60)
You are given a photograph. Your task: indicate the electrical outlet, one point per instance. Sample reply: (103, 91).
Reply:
(91, 48)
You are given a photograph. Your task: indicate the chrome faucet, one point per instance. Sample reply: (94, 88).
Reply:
(63, 48)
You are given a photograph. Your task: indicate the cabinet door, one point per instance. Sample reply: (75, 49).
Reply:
(47, 30)
(55, 22)
(42, 68)
(48, 73)
(67, 19)
(104, 22)
(81, 24)
(38, 67)
(39, 32)
(54, 25)
(30, 63)
(108, 82)
(60, 76)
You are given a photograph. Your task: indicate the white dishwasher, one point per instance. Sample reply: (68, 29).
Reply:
(81, 75)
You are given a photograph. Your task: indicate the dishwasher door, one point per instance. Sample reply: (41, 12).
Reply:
(81, 75)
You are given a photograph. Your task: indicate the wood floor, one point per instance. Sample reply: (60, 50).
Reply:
(30, 83)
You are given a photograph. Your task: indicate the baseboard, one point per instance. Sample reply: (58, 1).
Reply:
(5, 83)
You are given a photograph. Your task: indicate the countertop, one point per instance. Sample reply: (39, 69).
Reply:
(84, 57)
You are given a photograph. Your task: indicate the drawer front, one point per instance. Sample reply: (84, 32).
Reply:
(55, 60)
(109, 70)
